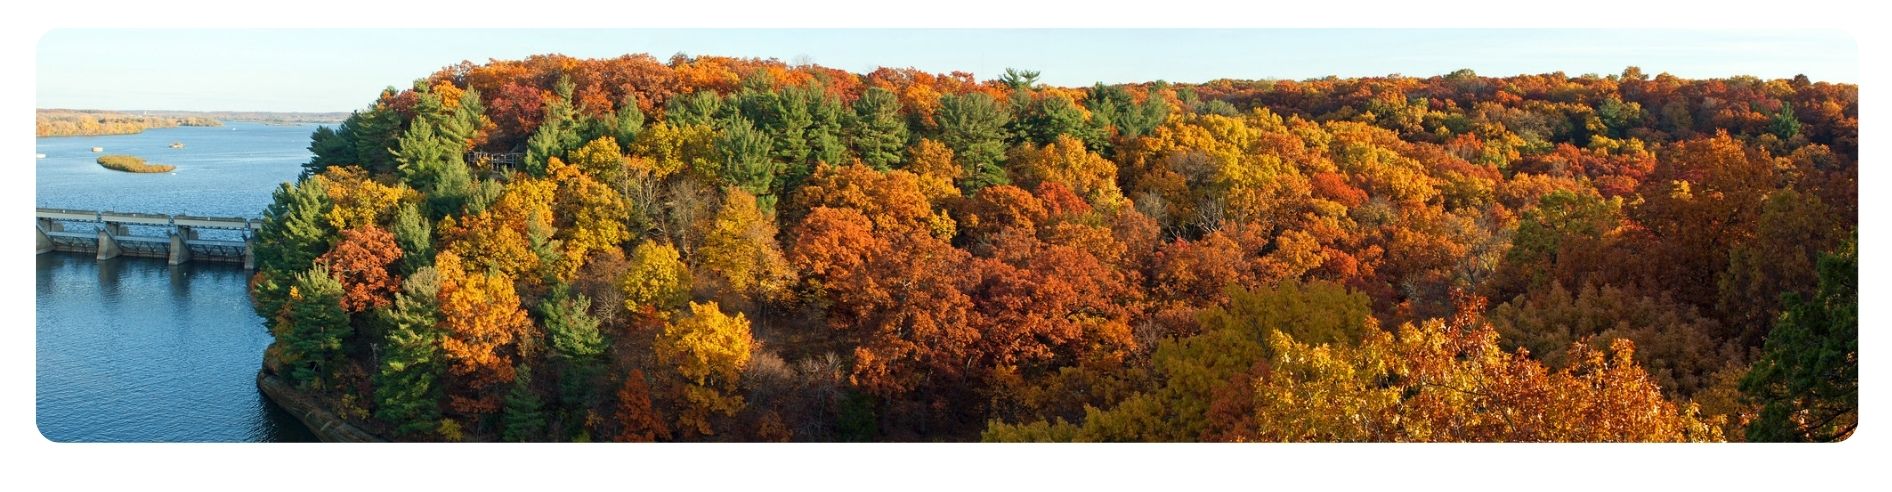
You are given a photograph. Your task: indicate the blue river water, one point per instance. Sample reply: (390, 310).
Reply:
(133, 349)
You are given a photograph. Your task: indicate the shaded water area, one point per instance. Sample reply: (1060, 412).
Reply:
(133, 349)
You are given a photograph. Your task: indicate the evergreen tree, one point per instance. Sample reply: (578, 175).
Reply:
(478, 194)
(414, 234)
(524, 413)
(745, 160)
(782, 116)
(295, 229)
(574, 331)
(313, 327)
(1220, 107)
(1112, 106)
(879, 133)
(464, 121)
(556, 135)
(453, 192)
(973, 126)
(1807, 380)
(377, 133)
(578, 348)
(549, 251)
(630, 121)
(407, 390)
(1108, 104)
(435, 164)
(825, 128)
(331, 147)
(1784, 124)
(621, 125)
(803, 124)
(423, 155)
(294, 232)
(697, 108)
(1149, 115)
(1618, 117)
(1019, 79)
(1045, 118)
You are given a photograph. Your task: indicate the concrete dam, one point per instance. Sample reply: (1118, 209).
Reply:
(178, 238)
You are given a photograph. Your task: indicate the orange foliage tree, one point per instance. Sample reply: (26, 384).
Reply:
(360, 261)
(484, 329)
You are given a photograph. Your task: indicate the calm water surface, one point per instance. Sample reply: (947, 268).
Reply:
(132, 349)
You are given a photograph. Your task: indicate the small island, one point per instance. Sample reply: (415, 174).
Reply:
(132, 164)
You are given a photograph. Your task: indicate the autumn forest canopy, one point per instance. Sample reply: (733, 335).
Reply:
(725, 249)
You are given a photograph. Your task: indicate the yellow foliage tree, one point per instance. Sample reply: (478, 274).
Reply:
(708, 350)
(1066, 161)
(359, 200)
(500, 238)
(672, 149)
(657, 279)
(1433, 382)
(601, 160)
(740, 248)
(933, 162)
(589, 215)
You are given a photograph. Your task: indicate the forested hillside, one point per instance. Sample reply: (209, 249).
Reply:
(730, 249)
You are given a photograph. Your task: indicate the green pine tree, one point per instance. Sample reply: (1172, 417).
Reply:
(376, 133)
(825, 131)
(1046, 118)
(578, 348)
(697, 108)
(746, 159)
(1807, 380)
(295, 228)
(313, 327)
(524, 414)
(879, 133)
(630, 121)
(423, 154)
(973, 125)
(414, 234)
(331, 147)
(407, 390)
(556, 135)
(463, 122)
(1784, 124)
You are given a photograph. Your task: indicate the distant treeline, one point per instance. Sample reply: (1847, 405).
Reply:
(71, 122)
(255, 116)
(65, 122)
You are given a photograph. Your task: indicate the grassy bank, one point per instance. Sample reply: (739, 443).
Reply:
(132, 164)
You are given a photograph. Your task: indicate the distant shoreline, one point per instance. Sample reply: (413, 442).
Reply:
(257, 116)
(55, 122)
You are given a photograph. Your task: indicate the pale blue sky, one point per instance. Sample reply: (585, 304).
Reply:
(342, 69)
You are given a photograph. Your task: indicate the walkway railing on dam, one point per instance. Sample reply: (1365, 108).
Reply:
(177, 237)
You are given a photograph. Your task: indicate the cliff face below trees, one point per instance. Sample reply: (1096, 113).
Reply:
(326, 425)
